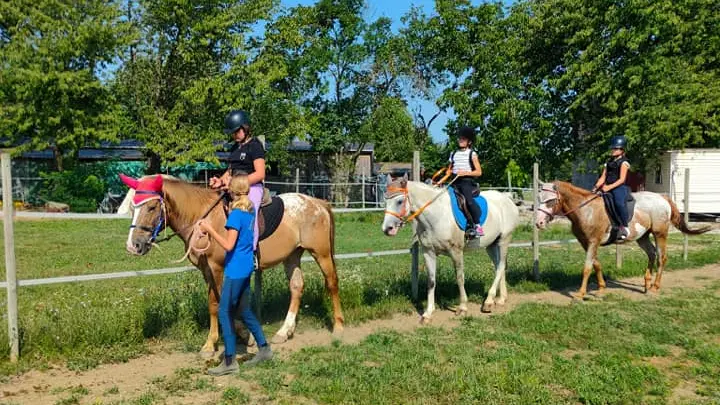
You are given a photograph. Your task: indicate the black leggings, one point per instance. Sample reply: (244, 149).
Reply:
(466, 186)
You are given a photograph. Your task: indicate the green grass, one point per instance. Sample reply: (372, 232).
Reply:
(85, 324)
(595, 353)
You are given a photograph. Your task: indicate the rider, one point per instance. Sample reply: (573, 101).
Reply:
(465, 165)
(613, 179)
(247, 157)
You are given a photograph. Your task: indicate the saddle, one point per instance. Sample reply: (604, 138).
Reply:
(462, 202)
(615, 218)
(270, 213)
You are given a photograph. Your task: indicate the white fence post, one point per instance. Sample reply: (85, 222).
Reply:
(536, 233)
(415, 249)
(10, 275)
(297, 179)
(362, 188)
(686, 206)
(509, 182)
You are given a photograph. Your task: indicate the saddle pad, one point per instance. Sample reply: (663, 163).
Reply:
(460, 219)
(270, 217)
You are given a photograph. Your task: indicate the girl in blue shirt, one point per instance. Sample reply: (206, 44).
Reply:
(238, 242)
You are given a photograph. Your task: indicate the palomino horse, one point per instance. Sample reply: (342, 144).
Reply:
(591, 225)
(438, 234)
(307, 224)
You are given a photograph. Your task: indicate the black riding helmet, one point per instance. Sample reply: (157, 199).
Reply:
(467, 133)
(618, 142)
(235, 120)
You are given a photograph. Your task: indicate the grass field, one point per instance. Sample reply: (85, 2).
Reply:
(85, 324)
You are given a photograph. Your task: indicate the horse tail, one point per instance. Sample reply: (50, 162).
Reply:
(679, 221)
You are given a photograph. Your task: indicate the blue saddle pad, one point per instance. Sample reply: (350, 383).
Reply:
(460, 219)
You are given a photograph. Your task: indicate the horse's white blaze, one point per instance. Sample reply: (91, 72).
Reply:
(129, 244)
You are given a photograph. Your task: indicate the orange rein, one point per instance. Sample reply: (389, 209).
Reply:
(403, 213)
(565, 214)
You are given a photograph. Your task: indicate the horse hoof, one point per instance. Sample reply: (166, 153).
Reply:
(461, 312)
(652, 291)
(207, 355)
(486, 308)
(578, 296)
(279, 339)
(424, 320)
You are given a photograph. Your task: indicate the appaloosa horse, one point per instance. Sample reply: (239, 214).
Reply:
(438, 233)
(653, 214)
(307, 225)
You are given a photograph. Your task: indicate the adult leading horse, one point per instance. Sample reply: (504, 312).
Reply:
(653, 214)
(439, 235)
(307, 225)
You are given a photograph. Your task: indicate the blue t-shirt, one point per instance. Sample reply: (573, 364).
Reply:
(239, 261)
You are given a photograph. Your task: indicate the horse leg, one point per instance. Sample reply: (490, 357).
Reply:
(661, 240)
(459, 262)
(502, 269)
(646, 245)
(215, 277)
(494, 252)
(590, 257)
(297, 285)
(599, 275)
(327, 265)
(430, 263)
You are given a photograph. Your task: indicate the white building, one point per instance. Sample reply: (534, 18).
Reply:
(668, 177)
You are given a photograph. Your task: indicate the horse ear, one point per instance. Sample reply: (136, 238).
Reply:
(405, 177)
(129, 181)
(157, 183)
(389, 178)
(404, 181)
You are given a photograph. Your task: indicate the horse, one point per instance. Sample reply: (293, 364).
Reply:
(653, 214)
(438, 234)
(307, 225)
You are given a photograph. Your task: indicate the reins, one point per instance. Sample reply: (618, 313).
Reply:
(565, 214)
(403, 190)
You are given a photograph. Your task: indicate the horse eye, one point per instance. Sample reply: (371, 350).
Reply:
(151, 209)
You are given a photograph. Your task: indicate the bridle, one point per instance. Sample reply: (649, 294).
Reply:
(552, 215)
(163, 214)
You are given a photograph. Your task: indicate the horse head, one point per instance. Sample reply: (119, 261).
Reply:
(549, 204)
(396, 205)
(148, 208)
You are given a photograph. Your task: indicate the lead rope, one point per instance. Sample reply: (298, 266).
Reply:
(196, 235)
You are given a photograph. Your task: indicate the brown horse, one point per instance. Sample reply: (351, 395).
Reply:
(307, 224)
(653, 214)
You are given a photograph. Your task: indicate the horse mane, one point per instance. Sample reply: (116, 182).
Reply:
(193, 199)
(568, 187)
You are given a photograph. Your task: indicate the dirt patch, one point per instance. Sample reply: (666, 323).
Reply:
(135, 377)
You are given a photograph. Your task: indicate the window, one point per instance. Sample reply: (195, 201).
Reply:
(658, 174)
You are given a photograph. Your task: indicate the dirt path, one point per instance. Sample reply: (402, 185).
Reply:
(114, 382)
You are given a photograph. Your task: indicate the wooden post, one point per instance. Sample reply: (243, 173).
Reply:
(362, 189)
(536, 234)
(618, 256)
(415, 249)
(10, 275)
(297, 179)
(509, 182)
(686, 206)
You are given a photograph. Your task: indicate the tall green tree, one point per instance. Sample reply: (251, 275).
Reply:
(186, 72)
(52, 53)
(645, 69)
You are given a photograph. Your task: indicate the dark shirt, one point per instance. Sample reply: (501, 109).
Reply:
(243, 155)
(613, 169)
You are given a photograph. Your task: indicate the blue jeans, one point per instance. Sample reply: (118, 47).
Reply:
(232, 291)
(620, 196)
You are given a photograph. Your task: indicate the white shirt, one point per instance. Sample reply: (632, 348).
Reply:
(461, 160)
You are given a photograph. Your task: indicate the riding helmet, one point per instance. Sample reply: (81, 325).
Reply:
(234, 120)
(467, 133)
(618, 142)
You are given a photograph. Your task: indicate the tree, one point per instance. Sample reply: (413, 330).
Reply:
(646, 69)
(52, 54)
(176, 83)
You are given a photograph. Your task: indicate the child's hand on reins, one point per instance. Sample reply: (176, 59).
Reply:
(204, 225)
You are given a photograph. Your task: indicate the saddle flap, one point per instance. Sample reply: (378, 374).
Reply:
(266, 198)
